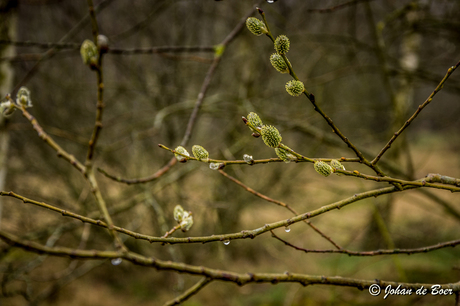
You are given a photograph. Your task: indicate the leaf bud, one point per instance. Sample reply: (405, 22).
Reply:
(295, 88)
(285, 155)
(182, 150)
(255, 121)
(336, 165)
(23, 97)
(178, 213)
(323, 168)
(200, 153)
(256, 26)
(278, 63)
(282, 44)
(271, 136)
(186, 223)
(89, 54)
(7, 108)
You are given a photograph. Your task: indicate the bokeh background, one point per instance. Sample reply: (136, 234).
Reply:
(369, 64)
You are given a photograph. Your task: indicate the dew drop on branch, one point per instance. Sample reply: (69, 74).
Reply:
(226, 242)
(116, 261)
(287, 229)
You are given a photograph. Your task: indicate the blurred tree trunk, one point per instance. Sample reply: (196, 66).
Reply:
(7, 32)
(402, 99)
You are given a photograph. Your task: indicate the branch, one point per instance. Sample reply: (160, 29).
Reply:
(219, 51)
(60, 151)
(264, 197)
(419, 183)
(438, 246)
(147, 179)
(189, 293)
(225, 237)
(412, 118)
(318, 109)
(213, 274)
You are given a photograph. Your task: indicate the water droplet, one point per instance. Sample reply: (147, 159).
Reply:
(116, 261)
(287, 229)
(248, 158)
(271, 1)
(227, 242)
(214, 166)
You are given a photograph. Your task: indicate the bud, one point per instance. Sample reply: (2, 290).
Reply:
(271, 136)
(256, 26)
(178, 213)
(285, 155)
(278, 63)
(200, 153)
(295, 88)
(102, 43)
(7, 108)
(336, 165)
(282, 44)
(23, 97)
(255, 121)
(89, 53)
(323, 168)
(181, 149)
(186, 223)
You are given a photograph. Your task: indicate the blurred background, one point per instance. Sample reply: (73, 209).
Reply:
(369, 64)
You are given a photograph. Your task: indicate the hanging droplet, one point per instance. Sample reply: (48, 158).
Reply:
(226, 242)
(271, 1)
(116, 261)
(287, 229)
(214, 166)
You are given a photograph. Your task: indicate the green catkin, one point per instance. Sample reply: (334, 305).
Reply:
(200, 153)
(323, 168)
(256, 26)
(295, 88)
(271, 136)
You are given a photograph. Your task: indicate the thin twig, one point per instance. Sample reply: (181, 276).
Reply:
(45, 137)
(318, 109)
(190, 292)
(426, 249)
(245, 234)
(193, 116)
(420, 183)
(95, 136)
(419, 109)
(213, 274)
(147, 179)
(268, 199)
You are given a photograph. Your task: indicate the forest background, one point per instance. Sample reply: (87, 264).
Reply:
(184, 72)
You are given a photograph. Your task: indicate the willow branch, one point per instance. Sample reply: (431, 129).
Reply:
(318, 109)
(426, 249)
(46, 138)
(212, 274)
(245, 234)
(424, 182)
(219, 51)
(147, 179)
(417, 112)
(189, 293)
(300, 159)
(268, 199)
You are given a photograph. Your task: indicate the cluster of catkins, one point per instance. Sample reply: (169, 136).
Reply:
(278, 60)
